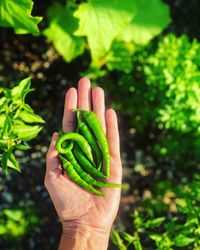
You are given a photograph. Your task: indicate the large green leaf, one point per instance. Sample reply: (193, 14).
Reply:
(60, 31)
(101, 21)
(30, 117)
(26, 132)
(150, 19)
(17, 14)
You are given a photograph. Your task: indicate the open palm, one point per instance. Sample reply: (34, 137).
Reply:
(74, 205)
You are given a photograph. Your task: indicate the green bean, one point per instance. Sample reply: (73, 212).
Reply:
(79, 139)
(85, 131)
(86, 177)
(71, 172)
(85, 163)
(95, 125)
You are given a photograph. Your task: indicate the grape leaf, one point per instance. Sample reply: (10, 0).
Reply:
(17, 14)
(60, 32)
(150, 19)
(101, 21)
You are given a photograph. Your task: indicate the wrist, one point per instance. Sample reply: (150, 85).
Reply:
(82, 237)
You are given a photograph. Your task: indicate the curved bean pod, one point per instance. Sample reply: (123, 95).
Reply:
(79, 139)
(95, 125)
(85, 131)
(71, 172)
(86, 177)
(85, 163)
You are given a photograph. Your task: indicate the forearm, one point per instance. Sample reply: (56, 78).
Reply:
(83, 238)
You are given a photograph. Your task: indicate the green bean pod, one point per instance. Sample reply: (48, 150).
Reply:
(82, 160)
(71, 172)
(85, 131)
(86, 177)
(75, 137)
(95, 125)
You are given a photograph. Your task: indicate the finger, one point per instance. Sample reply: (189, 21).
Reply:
(84, 94)
(112, 194)
(98, 101)
(112, 133)
(52, 161)
(68, 122)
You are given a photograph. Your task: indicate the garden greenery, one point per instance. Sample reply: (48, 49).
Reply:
(17, 123)
(181, 229)
(73, 29)
(17, 14)
(154, 82)
(16, 222)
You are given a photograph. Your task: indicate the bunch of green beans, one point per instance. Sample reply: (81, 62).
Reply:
(84, 154)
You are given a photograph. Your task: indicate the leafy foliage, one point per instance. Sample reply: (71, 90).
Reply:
(108, 18)
(175, 230)
(174, 71)
(16, 222)
(111, 29)
(15, 115)
(164, 86)
(150, 19)
(17, 14)
(61, 31)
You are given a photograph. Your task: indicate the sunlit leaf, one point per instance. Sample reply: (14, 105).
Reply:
(17, 14)
(129, 238)
(62, 25)
(153, 223)
(183, 240)
(101, 22)
(2, 120)
(116, 239)
(2, 103)
(12, 162)
(30, 117)
(150, 19)
(136, 242)
(26, 132)
(22, 147)
(20, 91)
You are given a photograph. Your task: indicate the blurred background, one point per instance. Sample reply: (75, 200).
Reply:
(146, 56)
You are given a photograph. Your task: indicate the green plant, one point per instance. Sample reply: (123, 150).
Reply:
(17, 14)
(15, 119)
(110, 30)
(162, 95)
(16, 222)
(173, 231)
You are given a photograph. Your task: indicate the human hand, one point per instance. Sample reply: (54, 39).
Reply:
(79, 210)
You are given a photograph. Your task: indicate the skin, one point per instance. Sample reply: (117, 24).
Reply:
(86, 218)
